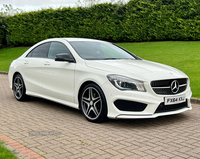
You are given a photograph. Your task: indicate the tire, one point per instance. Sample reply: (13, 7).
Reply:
(19, 88)
(93, 103)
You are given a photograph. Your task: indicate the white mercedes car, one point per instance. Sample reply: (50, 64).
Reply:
(99, 78)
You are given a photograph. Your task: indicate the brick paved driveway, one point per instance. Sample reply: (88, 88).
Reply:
(176, 136)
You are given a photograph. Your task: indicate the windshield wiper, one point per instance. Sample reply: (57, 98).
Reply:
(110, 58)
(118, 59)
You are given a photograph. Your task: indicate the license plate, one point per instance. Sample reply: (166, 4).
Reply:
(174, 100)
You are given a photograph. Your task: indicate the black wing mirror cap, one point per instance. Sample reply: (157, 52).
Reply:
(65, 57)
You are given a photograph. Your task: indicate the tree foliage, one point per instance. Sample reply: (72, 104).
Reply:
(8, 10)
(5, 12)
(138, 20)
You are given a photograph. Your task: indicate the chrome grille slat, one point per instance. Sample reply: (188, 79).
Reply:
(159, 87)
(182, 85)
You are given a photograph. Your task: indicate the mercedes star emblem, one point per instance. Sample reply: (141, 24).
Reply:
(174, 86)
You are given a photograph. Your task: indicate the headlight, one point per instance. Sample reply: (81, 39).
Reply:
(125, 83)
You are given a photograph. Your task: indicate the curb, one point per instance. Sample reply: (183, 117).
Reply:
(195, 101)
(16, 153)
(3, 72)
(192, 100)
(18, 148)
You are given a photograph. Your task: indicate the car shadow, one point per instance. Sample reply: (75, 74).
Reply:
(117, 123)
(152, 122)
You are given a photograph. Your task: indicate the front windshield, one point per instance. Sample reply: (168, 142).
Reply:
(94, 50)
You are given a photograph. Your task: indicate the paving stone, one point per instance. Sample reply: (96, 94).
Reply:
(69, 135)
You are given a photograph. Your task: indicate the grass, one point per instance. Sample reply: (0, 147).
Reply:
(7, 55)
(184, 56)
(5, 153)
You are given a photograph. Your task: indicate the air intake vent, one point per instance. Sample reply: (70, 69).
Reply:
(124, 105)
(166, 108)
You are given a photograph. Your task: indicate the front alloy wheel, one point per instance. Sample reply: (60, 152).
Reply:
(19, 88)
(93, 103)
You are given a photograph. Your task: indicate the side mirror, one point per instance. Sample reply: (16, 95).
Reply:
(65, 57)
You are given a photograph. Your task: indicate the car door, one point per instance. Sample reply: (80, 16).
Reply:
(58, 76)
(31, 70)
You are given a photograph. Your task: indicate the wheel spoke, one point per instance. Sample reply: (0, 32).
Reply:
(20, 86)
(93, 95)
(85, 100)
(16, 85)
(90, 94)
(88, 110)
(95, 111)
(96, 100)
(20, 93)
(18, 82)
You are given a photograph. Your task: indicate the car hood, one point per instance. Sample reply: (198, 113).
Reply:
(138, 69)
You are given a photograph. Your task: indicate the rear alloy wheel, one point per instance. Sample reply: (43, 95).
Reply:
(19, 88)
(93, 103)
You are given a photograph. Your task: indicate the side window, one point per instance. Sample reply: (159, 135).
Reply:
(57, 48)
(40, 51)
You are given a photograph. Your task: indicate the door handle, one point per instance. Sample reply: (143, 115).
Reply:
(46, 63)
(26, 62)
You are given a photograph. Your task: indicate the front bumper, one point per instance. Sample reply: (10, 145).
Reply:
(151, 99)
(142, 116)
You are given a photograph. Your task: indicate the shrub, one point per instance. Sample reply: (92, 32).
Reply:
(138, 20)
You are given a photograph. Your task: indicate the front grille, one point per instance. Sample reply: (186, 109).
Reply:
(165, 108)
(163, 87)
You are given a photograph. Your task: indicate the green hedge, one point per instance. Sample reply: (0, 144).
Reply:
(2, 32)
(138, 20)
